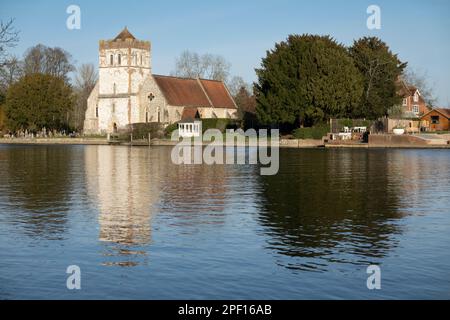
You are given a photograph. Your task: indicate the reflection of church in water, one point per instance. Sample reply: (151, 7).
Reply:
(129, 185)
(124, 184)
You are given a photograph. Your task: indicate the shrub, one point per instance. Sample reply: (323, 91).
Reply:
(316, 132)
(141, 130)
(170, 128)
(221, 124)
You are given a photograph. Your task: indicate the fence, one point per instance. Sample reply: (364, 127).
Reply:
(377, 126)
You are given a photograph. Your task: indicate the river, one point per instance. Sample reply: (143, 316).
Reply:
(140, 227)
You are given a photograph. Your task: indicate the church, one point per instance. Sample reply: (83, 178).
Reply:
(128, 92)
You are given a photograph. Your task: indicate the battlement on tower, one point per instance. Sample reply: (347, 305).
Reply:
(123, 44)
(124, 40)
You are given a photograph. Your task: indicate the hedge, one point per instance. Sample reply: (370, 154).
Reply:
(316, 132)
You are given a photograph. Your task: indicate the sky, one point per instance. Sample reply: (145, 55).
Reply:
(239, 30)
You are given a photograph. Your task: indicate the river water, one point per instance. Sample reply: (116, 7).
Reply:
(140, 227)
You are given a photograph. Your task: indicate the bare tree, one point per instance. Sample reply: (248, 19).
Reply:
(10, 72)
(9, 37)
(421, 81)
(86, 77)
(236, 83)
(85, 80)
(54, 61)
(208, 66)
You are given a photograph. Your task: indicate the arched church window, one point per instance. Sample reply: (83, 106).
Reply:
(146, 116)
(96, 112)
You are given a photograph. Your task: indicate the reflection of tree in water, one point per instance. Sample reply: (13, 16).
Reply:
(330, 206)
(39, 183)
(195, 195)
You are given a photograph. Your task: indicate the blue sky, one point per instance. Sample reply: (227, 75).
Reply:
(241, 31)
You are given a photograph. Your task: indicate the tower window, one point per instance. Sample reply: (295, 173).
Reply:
(146, 116)
(119, 59)
(141, 60)
(96, 112)
(111, 59)
(113, 108)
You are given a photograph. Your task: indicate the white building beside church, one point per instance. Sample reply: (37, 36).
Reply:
(127, 92)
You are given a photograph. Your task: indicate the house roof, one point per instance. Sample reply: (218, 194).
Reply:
(412, 90)
(443, 111)
(402, 88)
(194, 92)
(124, 34)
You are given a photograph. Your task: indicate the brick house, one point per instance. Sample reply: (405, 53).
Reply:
(436, 120)
(412, 101)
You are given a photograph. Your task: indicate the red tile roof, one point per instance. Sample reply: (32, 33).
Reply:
(190, 114)
(445, 112)
(182, 92)
(194, 92)
(218, 94)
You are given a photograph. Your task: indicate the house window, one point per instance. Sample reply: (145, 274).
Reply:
(416, 109)
(416, 97)
(435, 119)
(111, 59)
(119, 59)
(405, 102)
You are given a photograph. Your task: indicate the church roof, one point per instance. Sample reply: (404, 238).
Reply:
(218, 94)
(124, 34)
(194, 92)
(190, 114)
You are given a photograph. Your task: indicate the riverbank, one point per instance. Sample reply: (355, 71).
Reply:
(66, 141)
(375, 141)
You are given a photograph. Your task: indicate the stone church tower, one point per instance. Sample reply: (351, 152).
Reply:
(124, 64)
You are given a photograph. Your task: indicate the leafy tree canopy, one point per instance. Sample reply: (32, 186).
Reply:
(37, 101)
(306, 80)
(381, 69)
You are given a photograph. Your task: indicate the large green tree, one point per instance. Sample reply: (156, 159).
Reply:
(305, 80)
(381, 69)
(37, 101)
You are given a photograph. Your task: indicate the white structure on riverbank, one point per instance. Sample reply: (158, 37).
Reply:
(127, 92)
